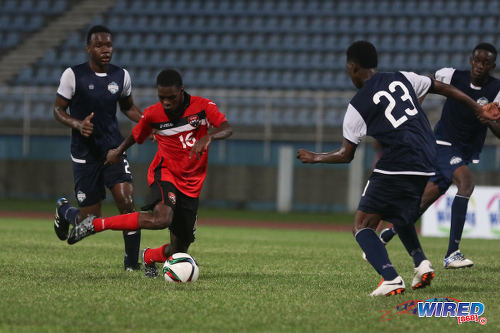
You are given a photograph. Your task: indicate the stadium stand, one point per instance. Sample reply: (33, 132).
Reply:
(274, 44)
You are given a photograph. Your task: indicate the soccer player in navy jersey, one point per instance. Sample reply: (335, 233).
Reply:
(92, 91)
(460, 138)
(386, 107)
(184, 126)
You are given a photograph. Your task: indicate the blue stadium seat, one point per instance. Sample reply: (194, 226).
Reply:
(9, 40)
(459, 24)
(450, 8)
(155, 59)
(25, 76)
(412, 61)
(9, 6)
(50, 57)
(430, 25)
(459, 43)
(283, 44)
(473, 40)
(58, 6)
(458, 60)
(140, 58)
(11, 110)
(444, 42)
(442, 60)
(150, 41)
(427, 62)
(40, 111)
(35, 22)
(489, 24)
(473, 25)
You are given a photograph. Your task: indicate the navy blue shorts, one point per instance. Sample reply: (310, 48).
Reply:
(185, 209)
(395, 197)
(448, 160)
(92, 178)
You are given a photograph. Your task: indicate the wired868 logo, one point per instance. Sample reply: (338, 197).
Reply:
(463, 311)
(440, 307)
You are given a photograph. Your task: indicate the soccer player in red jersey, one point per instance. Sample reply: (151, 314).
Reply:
(184, 126)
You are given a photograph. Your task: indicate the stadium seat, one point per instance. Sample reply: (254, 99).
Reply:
(25, 76)
(262, 41)
(9, 40)
(489, 24)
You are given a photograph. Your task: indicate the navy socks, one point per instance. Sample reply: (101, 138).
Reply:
(388, 234)
(69, 213)
(409, 238)
(376, 254)
(458, 213)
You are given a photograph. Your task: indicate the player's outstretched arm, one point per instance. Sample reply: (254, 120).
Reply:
(222, 132)
(85, 126)
(489, 111)
(128, 108)
(344, 154)
(114, 155)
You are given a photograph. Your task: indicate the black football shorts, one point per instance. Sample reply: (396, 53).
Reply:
(395, 197)
(92, 178)
(185, 208)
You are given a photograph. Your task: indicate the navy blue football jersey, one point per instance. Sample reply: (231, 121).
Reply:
(99, 93)
(458, 125)
(387, 108)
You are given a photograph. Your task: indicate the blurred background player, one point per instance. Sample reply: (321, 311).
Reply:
(460, 138)
(91, 91)
(176, 174)
(386, 107)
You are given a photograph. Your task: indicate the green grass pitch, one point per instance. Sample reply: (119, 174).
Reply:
(251, 280)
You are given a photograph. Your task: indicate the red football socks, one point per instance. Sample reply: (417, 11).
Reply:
(155, 255)
(120, 222)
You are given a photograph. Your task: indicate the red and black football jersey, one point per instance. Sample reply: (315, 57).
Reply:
(175, 139)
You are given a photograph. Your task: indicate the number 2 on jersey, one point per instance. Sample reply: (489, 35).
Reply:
(187, 141)
(392, 103)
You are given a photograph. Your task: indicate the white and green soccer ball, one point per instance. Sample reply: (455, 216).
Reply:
(180, 267)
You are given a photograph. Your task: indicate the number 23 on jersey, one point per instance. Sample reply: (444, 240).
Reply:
(391, 97)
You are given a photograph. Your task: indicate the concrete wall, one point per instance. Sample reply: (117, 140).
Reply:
(315, 188)
(230, 186)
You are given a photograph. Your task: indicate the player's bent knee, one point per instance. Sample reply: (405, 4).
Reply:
(466, 189)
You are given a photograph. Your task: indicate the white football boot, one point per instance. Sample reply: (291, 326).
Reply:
(388, 288)
(457, 260)
(424, 274)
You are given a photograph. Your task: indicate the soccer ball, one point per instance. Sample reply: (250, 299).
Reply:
(180, 267)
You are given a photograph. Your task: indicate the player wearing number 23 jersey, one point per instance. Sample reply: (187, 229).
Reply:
(175, 139)
(387, 109)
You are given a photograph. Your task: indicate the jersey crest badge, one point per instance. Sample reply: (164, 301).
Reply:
(482, 101)
(91, 86)
(194, 121)
(113, 87)
(81, 196)
(455, 160)
(171, 197)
